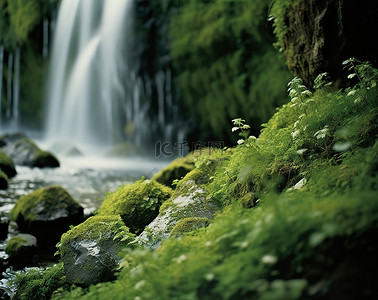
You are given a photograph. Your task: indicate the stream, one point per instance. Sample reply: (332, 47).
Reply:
(86, 178)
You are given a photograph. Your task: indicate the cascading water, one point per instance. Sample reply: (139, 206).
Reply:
(96, 94)
(85, 90)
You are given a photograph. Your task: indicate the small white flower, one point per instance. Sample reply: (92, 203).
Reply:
(269, 259)
(209, 276)
(244, 245)
(321, 134)
(246, 126)
(295, 133)
(252, 137)
(241, 141)
(140, 284)
(351, 93)
(301, 151)
(180, 259)
(234, 129)
(208, 243)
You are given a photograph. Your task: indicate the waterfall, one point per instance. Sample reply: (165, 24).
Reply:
(1, 76)
(85, 90)
(96, 94)
(9, 84)
(16, 89)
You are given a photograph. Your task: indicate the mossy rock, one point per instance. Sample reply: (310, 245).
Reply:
(4, 223)
(25, 152)
(189, 224)
(47, 212)
(177, 169)
(89, 251)
(137, 204)
(21, 249)
(7, 165)
(3, 180)
(188, 202)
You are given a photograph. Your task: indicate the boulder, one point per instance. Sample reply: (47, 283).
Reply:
(89, 251)
(7, 165)
(47, 213)
(188, 202)
(177, 169)
(3, 180)
(317, 36)
(4, 223)
(25, 152)
(137, 204)
(21, 249)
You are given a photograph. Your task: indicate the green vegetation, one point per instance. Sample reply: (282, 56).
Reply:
(14, 245)
(137, 204)
(310, 185)
(176, 170)
(189, 224)
(28, 207)
(7, 165)
(96, 228)
(39, 284)
(226, 65)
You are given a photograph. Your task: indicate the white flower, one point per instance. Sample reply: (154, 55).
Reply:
(269, 259)
(180, 259)
(295, 133)
(241, 141)
(234, 129)
(140, 284)
(321, 134)
(351, 93)
(209, 276)
(252, 137)
(301, 151)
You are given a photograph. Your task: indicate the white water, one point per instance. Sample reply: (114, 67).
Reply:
(85, 91)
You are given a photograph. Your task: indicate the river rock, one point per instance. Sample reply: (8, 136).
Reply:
(21, 249)
(3, 180)
(7, 165)
(25, 152)
(175, 170)
(89, 251)
(4, 223)
(190, 201)
(47, 213)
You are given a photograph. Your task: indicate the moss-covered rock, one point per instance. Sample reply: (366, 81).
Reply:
(175, 170)
(137, 204)
(89, 251)
(7, 165)
(25, 152)
(21, 249)
(189, 201)
(3, 180)
(189, 224)
(47, 213)
(4, 223)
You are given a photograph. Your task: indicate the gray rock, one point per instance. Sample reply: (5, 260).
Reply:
(26, 153)
(4, 223)
(89, 252)
(21, 249)
(191, 204)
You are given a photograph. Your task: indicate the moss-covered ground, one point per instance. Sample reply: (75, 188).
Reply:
(299, 218)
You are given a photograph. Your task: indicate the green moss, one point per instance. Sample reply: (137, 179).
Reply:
(7, 165)
(175, 170)
(26, 207)
(15, 245)
(189, 224)
(97, 228)
(137, 204)
(39, 284)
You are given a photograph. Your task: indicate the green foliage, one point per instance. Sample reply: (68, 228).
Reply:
(26, 207)
(14, 245)
(189, 224)
(96, 228)
(38, 283)
(175, 170)
(223, 55)
(137, 204)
